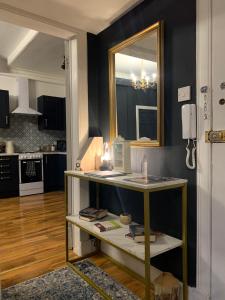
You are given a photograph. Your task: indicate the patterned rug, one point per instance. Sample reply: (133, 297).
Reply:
(64, 284)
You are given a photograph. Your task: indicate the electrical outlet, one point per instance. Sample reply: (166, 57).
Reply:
(184, 94)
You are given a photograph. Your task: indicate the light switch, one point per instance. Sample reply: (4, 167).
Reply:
(184, 93)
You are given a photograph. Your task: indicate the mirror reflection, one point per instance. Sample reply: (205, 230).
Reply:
(136, 89)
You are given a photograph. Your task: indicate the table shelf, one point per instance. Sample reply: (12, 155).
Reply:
(117, 238)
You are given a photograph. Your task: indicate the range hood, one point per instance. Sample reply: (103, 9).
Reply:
(23, 99)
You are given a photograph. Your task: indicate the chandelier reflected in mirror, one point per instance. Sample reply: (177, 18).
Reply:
(145, 82)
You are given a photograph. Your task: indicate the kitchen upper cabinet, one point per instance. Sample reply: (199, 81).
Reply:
(53, 111)
(54, 167)
(4, 109)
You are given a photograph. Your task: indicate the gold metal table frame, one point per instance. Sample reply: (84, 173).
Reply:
(146, 193)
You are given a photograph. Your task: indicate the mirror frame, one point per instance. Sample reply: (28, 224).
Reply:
(160, 83)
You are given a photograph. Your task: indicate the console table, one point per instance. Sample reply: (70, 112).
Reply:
(116, 238)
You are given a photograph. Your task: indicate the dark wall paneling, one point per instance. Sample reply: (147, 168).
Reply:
(127, 99)
(180, 70)
(93, 85)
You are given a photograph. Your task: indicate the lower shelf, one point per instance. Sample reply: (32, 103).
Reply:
(117, 238)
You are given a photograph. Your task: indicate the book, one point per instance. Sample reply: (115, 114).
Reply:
(137, 233)
(140, 238)
(92, 214)
(106, 226)
(136, 229)
(104, 174)
(88, 219)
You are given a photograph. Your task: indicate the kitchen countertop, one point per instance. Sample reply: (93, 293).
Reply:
(55, 152)
(6, 154)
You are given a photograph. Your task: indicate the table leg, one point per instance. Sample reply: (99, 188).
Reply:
(147, 245)
(66, 213)
(97, 195)
(97, 242)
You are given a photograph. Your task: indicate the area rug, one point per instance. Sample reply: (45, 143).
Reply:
(64, 284)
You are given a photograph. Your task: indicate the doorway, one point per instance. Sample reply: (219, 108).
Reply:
(76, 90)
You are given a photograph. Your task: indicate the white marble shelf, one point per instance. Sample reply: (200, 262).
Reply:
(117, 238)
(120, 181)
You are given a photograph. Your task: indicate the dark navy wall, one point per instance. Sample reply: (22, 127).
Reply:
(179, 18)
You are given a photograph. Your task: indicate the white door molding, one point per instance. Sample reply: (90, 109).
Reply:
(78, 126)
(204, 170)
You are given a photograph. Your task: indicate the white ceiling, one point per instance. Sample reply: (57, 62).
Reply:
(88, 15)
(44, 54)
(10, 36)
(39, 54)
(30, 50)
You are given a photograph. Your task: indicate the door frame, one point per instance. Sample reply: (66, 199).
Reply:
(204, 150)
(76, 89)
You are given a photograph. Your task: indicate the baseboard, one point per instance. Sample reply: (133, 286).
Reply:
(195, 294)
(138, 267)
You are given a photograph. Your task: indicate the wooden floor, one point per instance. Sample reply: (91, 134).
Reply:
(31, 236)
(32, 241)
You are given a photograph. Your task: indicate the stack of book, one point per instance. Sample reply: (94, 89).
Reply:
(137, 234)
(92, 214)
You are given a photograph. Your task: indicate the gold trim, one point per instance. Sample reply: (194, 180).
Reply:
(160, 91)
(89, 281)
(66, 213)
(147, 245)
(184, 240)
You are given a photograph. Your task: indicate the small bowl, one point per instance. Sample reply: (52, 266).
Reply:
(125, 219)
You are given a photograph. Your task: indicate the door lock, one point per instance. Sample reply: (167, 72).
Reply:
(215, 136)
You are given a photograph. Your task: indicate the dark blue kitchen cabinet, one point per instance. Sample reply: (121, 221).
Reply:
(54, 167)
(62, 167)
(53, 111)
(4, 109)
(9, 176)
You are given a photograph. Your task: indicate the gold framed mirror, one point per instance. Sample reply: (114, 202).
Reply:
(136, 88)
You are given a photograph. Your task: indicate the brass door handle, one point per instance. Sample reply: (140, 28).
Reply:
(215, 136)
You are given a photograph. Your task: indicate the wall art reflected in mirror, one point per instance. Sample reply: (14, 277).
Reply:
(136, 88)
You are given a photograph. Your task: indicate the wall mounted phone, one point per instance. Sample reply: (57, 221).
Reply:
(189, 132)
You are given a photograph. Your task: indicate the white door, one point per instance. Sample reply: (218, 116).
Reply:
(218, 151)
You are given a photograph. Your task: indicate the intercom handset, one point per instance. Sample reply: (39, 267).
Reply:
(189, 132)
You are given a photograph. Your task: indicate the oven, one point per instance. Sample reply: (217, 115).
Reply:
(31, 173)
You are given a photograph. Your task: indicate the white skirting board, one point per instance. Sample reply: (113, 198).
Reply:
(127, 260)
(195, 294)
(138, 267)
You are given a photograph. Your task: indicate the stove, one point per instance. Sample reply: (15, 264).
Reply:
(31, 173)
(30, 155)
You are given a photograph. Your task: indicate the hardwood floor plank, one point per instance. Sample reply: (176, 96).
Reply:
(32, 237)
(32, 241)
